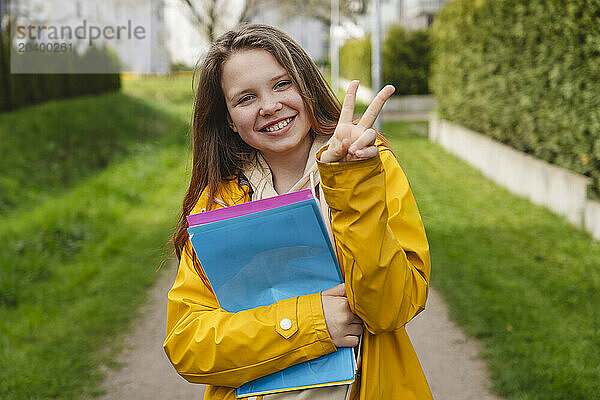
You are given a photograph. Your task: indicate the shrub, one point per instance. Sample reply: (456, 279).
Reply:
(524, 73)
(355, 60)
(405, 60)
(180, 67)
(18, 90)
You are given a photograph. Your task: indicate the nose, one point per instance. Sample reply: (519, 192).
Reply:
(270, 106)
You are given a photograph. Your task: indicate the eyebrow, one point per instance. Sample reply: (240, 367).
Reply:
(280, 76)
(276, 78)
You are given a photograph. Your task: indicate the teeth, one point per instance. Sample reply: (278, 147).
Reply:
(278, 126)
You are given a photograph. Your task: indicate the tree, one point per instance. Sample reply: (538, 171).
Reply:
(321, 10)
(213, 16)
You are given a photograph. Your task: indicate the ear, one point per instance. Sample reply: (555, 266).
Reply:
(231, 124)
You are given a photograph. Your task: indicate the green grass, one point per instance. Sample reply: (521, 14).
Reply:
(75, 269)
(520, 279)
(75, 263)
(49, 147)
(175, 94)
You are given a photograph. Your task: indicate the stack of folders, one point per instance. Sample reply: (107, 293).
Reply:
(257, 253)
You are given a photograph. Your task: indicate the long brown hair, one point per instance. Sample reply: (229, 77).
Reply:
(218, 152)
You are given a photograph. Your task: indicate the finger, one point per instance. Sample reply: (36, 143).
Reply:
(367, 138)
(341, 149)
(354, 330)
(348, 105)
(369, 117)
(336, 151)
(339, 290)
(366, 153)
(349, 341)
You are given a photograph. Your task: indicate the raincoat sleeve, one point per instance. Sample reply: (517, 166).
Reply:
(208, 345)
(380, 238)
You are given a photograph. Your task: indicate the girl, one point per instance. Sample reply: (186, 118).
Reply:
(266, 123)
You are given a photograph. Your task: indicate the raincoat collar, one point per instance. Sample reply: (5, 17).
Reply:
(261, 179)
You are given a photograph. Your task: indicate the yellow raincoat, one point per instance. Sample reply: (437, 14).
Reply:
(384, 254)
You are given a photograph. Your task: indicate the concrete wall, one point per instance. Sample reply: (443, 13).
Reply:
(411, 104)
(592, 218)
(561, 190)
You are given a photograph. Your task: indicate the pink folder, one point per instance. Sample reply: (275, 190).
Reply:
(249, 207)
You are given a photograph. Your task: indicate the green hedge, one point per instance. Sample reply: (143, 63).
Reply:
(524, 73)
(405, 55)
(406, 60)
(18, 90)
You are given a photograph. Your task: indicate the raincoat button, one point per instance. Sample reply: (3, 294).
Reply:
(285, 324)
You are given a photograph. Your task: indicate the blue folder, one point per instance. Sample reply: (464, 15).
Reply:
(260, 258)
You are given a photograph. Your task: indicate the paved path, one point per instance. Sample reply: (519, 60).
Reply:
(147, 372)
(449, 358)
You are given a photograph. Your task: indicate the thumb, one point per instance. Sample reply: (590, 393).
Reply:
(342, 148)
(336, 151)
(339, 290)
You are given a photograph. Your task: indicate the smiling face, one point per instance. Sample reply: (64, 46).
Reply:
(264, 106)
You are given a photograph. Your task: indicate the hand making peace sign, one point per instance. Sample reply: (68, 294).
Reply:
(356, 142)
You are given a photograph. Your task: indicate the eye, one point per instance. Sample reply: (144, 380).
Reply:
(282, 84)
(244, 99)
